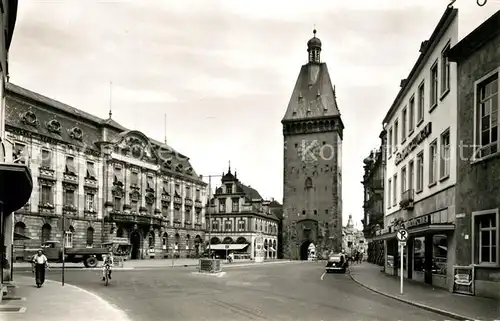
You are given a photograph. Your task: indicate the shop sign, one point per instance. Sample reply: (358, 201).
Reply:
(463, 279)
(419, 138)
(418, 221)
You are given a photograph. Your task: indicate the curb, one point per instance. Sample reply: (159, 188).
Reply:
(418, 305)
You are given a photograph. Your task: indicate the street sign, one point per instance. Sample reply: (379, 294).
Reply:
(402, 243)
(402, 235)
(227, 246)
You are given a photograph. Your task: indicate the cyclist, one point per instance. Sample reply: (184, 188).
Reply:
(108, 260)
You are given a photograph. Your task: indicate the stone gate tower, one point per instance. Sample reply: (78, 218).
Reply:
(312, 172)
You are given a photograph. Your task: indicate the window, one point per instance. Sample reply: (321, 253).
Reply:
(411, 116)
(486, 237)
(228, 226)
(118, 175)
(315, 212)
(229, 188)
(177, 215)
(215, 225)
(420, 172)
(389, 191)
(46, 159)
(411, 173)
(445, 154)
(149, 208)
(70, 165)
(134, 206)
(198, 195)
(222, 205)
(188, 192)
(433, 156)
(118, 204)
(165, 186)
(68, 238)
(241, 225)
(396, 131)
(389, 144)
(150, 182)
(421, 103)
(89, 201)
(164, 211)
(47, 197)
(403, 125)
(177, 188)
(309, 183)
(434, 85)
(445, 70)
(90, 237)
(487, 117)
(134, 179)
(91, 170)
(440, 254)
(395, 185)
(19, 153)
(235, 205)
(69, 197)
(403, 179)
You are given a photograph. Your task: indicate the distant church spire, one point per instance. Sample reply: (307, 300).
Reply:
(110, 98)
(229, 167)
(314, 48)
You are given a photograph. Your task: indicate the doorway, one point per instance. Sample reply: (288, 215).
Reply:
(135, 241)
(304, 250)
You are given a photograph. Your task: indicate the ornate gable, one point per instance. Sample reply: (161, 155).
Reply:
(136, 145)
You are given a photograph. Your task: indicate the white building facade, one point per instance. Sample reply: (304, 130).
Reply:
(419, 186)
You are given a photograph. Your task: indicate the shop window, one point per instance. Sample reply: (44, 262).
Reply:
(419, 254)
(439, 254)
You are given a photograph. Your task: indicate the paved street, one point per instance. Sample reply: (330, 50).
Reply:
(295, 291)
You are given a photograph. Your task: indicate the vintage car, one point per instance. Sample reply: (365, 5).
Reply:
(337, 263)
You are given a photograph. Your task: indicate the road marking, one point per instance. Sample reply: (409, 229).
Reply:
(323, 275)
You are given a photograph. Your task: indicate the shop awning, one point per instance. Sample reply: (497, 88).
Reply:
(19, 237)
(230, 247)
(16, 185)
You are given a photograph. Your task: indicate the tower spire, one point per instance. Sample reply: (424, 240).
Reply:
(110, 99)
(165, 128)
(314, 48)
(229, 168)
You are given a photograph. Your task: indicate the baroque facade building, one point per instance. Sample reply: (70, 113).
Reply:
(238, 215)
(353, 240)
(478, 201)
(373, 202)
(420, 167)
(110, 183)
(312, 172)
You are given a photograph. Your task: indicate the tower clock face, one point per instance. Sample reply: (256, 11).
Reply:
(309, 151)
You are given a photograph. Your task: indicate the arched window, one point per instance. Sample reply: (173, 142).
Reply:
(309, 183)
(68, 237)
(90, 237)
(46, 231)
(19, 228)
(188, 242)
(151, 239)
(164, 241)
(119, 232)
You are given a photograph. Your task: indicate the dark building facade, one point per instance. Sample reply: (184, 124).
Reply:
(109, 182)
(478, 165)
(373, 202)
(312, 173)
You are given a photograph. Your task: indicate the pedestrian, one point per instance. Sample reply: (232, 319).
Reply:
(40, 263)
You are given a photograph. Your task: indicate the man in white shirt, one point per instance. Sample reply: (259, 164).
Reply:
(108, 260)
(40, 262)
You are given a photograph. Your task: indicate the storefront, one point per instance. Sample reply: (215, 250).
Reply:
(429, 252)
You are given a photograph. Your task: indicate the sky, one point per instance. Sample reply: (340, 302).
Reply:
(222, 71)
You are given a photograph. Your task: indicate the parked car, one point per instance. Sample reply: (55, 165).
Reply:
(337, 263)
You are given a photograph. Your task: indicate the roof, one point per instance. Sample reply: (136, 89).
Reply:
(313, 95)
(250, 192)
(476, 39)
(22, 103)
(447, 18)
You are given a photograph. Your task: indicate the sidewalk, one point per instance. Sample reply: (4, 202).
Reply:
(149, 264)
(460, 307)
(54, 302)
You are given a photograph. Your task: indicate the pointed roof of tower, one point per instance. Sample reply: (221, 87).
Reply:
(350, 224)
(313, 95)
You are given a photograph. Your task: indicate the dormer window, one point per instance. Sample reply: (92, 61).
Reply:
(70, 166)
(179, 167)
(222, 205)
(76, 133)
(54, 126)
(29, 118)
(229, 188)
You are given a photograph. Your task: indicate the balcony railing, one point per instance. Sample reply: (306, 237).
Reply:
(407, 198)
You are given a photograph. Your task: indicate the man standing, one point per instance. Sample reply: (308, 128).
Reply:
(39, 265)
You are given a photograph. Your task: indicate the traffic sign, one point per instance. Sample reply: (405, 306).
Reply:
(227, 246)
(402, 235)
(402, 243)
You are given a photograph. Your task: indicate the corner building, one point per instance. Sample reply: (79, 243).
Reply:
(238, 215)
(420, 172)
(478, 173)
(109, 182)
(312, 171)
